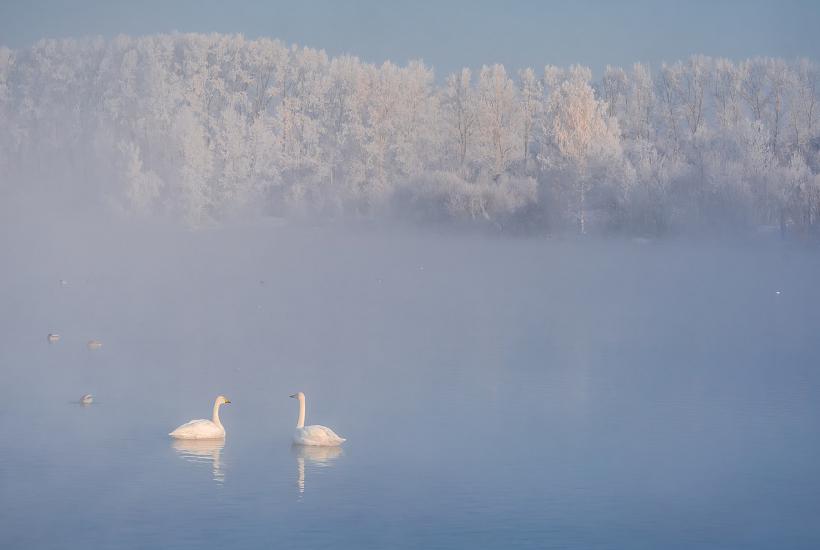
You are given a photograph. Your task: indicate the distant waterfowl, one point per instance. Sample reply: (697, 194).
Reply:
(63, 282)
(87, 399)
(94, 344)
(203, 429)
(313, 435)
(53, 338)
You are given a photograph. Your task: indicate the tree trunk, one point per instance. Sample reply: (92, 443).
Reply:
(782, 222)
(582, 210)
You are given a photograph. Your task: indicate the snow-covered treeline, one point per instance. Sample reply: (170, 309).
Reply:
(210, 126)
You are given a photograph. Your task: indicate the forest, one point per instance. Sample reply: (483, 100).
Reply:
(208, 127)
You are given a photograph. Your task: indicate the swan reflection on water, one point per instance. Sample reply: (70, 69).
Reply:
(202, 451)
(314, 457)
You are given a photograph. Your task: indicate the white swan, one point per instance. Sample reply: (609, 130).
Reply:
(313, 435)
(87, 399)
(203, 429)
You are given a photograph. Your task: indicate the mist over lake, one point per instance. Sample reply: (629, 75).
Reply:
(495, 392)
(385, 275)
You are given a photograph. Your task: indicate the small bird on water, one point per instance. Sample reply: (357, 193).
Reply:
(87, 399)
(94, 344)
(53, 338)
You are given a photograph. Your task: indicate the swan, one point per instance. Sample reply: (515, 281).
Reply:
(87, 399)
(203, 429)
(313, 435)
(53, 338)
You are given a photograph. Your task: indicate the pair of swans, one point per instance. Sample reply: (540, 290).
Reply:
(303, 435)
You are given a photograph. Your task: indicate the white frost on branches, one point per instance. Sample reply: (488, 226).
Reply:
(206, 127)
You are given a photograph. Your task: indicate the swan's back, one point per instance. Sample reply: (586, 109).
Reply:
(317, 435)
(198, 429)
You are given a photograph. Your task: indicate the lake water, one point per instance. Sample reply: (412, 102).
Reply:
(495, 393)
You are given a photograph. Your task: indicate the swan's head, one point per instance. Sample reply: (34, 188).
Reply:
(298, 395)
(221, 400)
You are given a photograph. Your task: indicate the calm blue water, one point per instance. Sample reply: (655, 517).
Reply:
(494, 393)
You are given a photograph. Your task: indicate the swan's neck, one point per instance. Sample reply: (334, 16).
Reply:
(216, 414)
(300, 423)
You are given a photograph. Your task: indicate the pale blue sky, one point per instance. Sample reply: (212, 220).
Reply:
(451, 34)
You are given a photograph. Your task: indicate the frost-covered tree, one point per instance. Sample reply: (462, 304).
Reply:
(497, 120)
(641, 106)
(615, 86)
(726, 93)
(195, 164)
(530, 94)
(142, 188)
(804, 109)
(458, 106)
(580, 134)
(206, 126)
